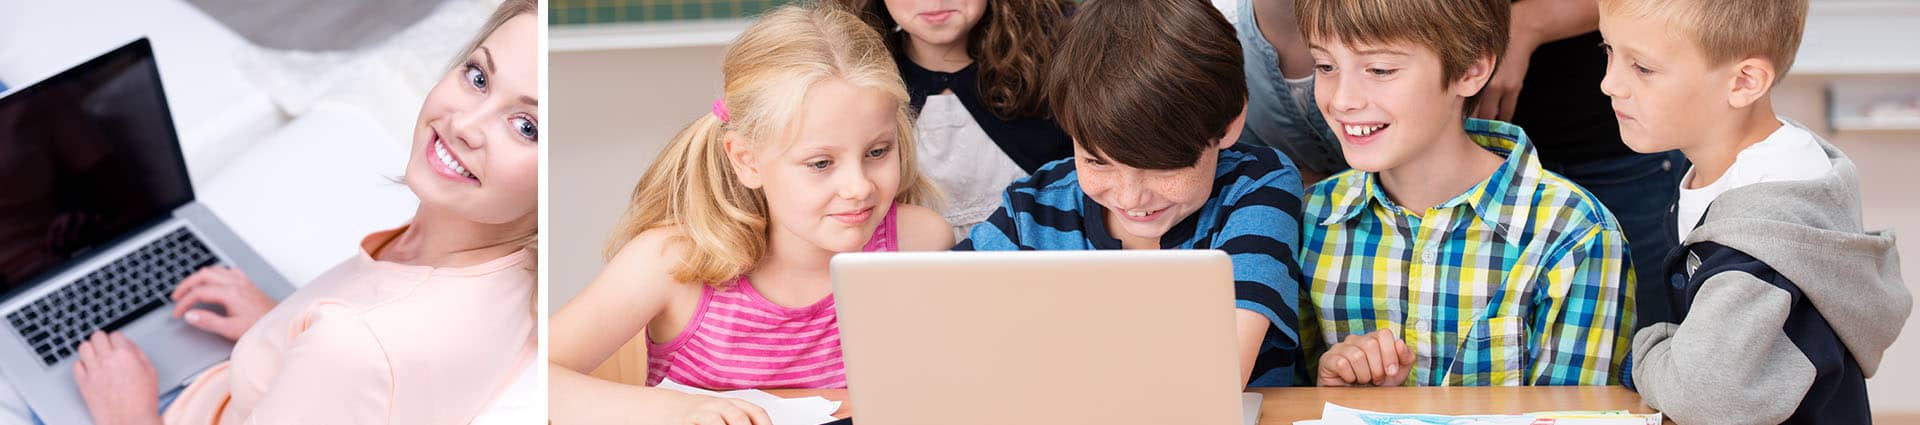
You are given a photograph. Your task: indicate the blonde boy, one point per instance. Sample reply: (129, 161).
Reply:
(1782, 303)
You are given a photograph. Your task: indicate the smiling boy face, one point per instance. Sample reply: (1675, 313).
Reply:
(1388, 102)
(1143, 204)
(1393, 77)
(1148, 114)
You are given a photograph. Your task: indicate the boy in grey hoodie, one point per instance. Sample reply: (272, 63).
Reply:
(1782, 302)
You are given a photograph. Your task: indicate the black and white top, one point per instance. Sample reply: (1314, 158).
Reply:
(962, 161)
(970, 154)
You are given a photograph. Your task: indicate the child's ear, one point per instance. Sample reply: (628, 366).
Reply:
(1476, 76)
(1233, 130)
(741, 159)
(1752, 79)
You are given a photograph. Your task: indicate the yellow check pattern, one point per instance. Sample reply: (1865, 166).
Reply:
(1522, 280)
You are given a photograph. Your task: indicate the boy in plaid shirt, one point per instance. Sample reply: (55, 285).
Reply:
(1447, 255)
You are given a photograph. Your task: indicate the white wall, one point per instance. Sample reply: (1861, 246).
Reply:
(612, 112)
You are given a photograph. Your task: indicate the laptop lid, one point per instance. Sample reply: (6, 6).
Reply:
(1081, 337)
(86, 157)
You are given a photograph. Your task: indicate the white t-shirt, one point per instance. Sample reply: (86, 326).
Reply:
(1790, 153)
(956, 154)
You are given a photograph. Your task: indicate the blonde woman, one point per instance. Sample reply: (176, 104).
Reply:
(721, 260)
(425, 326)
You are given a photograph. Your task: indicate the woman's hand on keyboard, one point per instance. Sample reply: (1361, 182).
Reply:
(224, 287)
(117, 381)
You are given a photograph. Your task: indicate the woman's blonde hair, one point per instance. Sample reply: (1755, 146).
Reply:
(508, 10)
(691, 186)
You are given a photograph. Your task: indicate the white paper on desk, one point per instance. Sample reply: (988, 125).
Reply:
(814, 410)
(1250, 408)
(1334, 414)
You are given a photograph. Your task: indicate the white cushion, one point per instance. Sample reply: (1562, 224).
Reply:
(305, 196)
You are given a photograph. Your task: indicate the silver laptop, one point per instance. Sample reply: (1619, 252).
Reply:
(98, 224)
(1082, 337)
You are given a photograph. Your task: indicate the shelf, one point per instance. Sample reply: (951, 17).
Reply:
(1876, 104)
(596, 37)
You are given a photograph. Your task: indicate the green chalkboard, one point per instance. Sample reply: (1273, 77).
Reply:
(586, 12)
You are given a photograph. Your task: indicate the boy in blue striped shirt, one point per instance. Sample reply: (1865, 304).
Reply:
(1154, 117)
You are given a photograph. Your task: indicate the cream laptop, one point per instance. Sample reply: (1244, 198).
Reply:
(1062, 337)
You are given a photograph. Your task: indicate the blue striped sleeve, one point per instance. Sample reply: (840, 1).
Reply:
(1261, 233)
(998, 233)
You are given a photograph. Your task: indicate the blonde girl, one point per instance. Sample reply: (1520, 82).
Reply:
(721, 260)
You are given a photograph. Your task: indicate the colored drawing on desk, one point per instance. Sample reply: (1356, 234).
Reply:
(1334, 414)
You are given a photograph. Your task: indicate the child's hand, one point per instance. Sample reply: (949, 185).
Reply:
(117, 381)
(704, 410)
(228, 288)
(1377, 358)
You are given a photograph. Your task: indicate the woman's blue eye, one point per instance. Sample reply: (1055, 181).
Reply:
(476, 78)
(527, 128)
(819, 165)
(1323, 68)
(876, 153)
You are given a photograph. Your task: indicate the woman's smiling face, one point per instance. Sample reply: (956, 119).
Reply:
(476, 142)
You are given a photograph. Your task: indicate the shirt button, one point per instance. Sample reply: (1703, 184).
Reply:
(1666, 165)
(1429, 255)
(1422, 327)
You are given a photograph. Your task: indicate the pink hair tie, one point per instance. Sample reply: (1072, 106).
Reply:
(720, 110)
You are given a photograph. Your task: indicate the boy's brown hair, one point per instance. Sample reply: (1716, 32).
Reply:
(1729, 30)
(1152, 84)
(1458, 31)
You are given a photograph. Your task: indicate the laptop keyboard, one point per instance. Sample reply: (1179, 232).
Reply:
(111, 296)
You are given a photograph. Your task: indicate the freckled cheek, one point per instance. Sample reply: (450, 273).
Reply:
(1185, 188)
(1095, 184)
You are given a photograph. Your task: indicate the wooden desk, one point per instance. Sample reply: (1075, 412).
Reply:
(1282, 406)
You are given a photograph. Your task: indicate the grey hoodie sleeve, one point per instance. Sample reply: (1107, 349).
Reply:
(1729, 362)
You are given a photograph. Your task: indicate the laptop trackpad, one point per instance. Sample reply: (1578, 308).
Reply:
(178, 350)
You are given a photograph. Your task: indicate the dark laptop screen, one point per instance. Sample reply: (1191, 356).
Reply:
(85, 157)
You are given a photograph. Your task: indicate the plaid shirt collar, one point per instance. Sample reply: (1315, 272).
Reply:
(1502, 201)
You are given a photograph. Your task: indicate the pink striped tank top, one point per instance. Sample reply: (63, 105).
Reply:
(738, 339)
